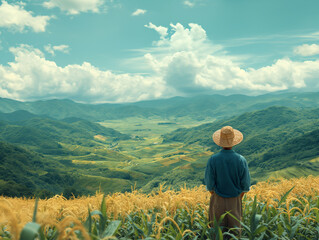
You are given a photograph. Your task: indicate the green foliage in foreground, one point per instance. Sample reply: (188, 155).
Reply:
(296, 220)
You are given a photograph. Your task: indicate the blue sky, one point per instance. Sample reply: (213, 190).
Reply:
(130, 50)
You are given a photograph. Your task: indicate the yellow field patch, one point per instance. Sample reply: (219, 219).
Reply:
(177, 153)
(186, 158)
(83, 162)
(187, 166)
(207, 153)
(167, 162)
(314, 160)
(99, 137)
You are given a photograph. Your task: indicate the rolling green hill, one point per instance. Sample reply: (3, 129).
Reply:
(16, 116)
(46, 134)
(27, 136)
(297, 150)
(269, 126)
(24, 173)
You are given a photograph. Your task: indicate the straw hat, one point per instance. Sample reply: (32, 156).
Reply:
(227, 137)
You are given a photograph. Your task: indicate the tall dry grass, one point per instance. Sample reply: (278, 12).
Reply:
(16, 212)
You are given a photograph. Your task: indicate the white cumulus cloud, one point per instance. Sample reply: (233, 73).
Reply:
(14, 16)
(307, 50)
(30, 76)
(74, 7)
(139, 12)
(192, 3)
(189, 3)
(162, 31)
(188, 62)
(52, 49)
(182, 61)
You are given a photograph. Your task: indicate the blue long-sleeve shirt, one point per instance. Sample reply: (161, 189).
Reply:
(227, 174)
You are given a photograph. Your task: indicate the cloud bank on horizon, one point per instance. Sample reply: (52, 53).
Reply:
(182, 61)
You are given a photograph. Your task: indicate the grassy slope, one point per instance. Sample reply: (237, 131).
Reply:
(23, 171)
(45, 134)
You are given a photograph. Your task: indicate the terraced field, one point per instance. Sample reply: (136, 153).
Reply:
(118, 165)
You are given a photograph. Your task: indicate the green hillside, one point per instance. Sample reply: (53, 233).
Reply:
(27, 136)
(16, 116)
(269, 126)
(46, 135)
(26, 173)
(296, 150)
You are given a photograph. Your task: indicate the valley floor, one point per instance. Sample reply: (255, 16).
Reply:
(139, 160)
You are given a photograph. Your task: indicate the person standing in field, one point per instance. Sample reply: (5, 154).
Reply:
(227, 178)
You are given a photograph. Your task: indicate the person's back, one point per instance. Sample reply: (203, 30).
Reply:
(230, 176)
(227, 178)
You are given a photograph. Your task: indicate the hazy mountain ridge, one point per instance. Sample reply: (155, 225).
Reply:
(64, 108)
(202, 106)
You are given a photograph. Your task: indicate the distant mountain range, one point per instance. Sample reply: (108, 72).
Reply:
(199, 107)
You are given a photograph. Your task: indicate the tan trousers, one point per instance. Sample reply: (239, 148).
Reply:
(219, 205)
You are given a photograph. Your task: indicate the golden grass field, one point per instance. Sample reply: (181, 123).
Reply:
(57, 211)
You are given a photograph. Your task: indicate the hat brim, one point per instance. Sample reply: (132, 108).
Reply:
(238, 137)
